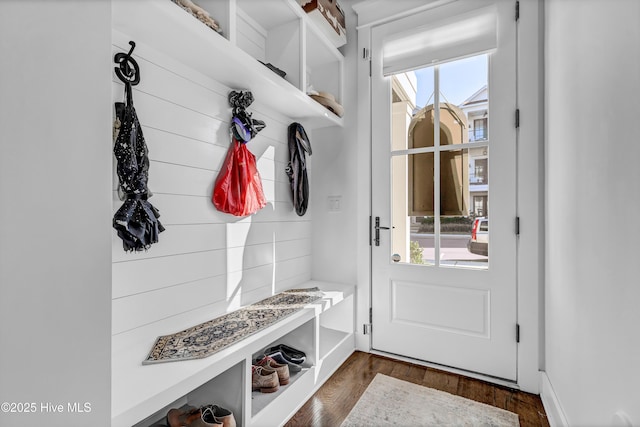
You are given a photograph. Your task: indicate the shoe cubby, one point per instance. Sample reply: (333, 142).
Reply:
(224, 390)
(159, 418)
(266, 408)
(276, 32)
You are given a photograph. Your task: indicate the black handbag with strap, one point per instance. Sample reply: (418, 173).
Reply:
(299, 144)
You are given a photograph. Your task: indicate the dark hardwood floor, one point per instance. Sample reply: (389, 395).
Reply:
(331, 404)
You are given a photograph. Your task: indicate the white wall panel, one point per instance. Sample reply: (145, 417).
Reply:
(55, 167)
(177, 209)
(251, 36)
(134, 277)
(591, 207)
(249, 256)
(279, 211)
(175, 179)
(178, 239)
(207, 100)
(206, 262)
(179, 150)
(293, 267)
(145, 54)
(146, 308)
(292, 249)
(173, 118)
(291, 282)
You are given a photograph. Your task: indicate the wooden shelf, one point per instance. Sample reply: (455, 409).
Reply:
(172, 31)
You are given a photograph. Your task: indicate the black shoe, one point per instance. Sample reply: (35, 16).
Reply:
(291, 354)
(278, 357)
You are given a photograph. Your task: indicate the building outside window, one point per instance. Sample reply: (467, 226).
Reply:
(476, 109)
(479, 129)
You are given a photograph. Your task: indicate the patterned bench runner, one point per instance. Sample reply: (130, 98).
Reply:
(207, 338)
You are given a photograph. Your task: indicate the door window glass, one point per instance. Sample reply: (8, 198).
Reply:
(440, 166)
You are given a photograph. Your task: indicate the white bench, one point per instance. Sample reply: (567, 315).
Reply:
(141, 395)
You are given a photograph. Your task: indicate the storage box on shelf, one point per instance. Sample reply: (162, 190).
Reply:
(253, 30)
(221, 11)
(142, 395)
(329, 18)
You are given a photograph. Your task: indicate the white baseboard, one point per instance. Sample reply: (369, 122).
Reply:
(551, 404)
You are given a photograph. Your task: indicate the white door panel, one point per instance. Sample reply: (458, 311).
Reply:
(455, 310)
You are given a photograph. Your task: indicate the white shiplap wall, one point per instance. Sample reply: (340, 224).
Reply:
(206, 261)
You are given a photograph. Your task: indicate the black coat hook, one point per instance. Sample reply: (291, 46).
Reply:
(128, 70)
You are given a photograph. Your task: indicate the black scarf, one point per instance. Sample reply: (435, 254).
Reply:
(299, 144)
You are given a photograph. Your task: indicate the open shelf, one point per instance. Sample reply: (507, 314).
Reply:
(271, 32)
(252, 27)
(330, 339)
(323, 64)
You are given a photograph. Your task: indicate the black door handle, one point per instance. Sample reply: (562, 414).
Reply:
(378, 228)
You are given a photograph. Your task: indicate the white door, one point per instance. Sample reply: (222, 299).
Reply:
(436, 296)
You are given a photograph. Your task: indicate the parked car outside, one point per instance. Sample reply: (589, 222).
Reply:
(479, 242)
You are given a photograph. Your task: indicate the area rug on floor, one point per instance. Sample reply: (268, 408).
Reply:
(208, 338)
(392, 402)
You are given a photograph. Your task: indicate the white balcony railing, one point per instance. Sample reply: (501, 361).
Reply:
(479, 134)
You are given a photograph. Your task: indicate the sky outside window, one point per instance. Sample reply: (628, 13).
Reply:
(458, 80)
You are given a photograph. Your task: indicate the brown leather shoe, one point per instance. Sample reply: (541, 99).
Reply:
(195, 417)
(281, 369)
(264, 379)
(182, 417)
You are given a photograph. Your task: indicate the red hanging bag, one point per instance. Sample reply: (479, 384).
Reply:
(238, 188)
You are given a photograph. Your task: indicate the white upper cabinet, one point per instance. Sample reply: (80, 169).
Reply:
(275, 32)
